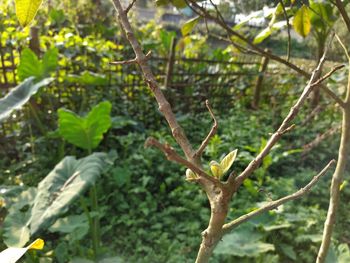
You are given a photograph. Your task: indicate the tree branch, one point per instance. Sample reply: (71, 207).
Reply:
(253, 165)
(274, 204)
(164, 105)
(343, 13)
(212, 132)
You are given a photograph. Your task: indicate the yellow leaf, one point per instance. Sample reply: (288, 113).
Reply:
(13, 254)
(37, 244)
(216, 169)
(302, 22)
(26, 10)
(228, 160)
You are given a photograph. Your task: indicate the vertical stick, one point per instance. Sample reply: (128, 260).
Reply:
(3, 64)
(258, 86)
(34, 42)
(170, 64)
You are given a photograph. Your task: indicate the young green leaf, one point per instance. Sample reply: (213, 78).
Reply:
(228, 160)
(302, 21)
(26, 10)
(216, 169)
(85, 132)
(189, 25)
(190, 175)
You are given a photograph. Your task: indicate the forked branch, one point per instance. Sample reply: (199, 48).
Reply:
(274, 204)
(212, 132)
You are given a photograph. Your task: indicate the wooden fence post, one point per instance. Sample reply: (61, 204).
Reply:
(170, 64)
(258, 85)
(34, 42)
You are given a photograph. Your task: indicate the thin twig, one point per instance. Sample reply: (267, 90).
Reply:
(212, 132)
(129, 6)
(343, 13)
(288, 29)
(130, 61)
(253, 165)
(163, 103)
(343, 46)
(274, 204)
(319, 81)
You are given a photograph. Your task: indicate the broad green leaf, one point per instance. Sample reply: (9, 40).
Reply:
(16, 232)
(216, 169)
(302, 22)
(245, 241)
(19, 95)
(12, 254)
(50, 61)
(26, 10)
(31, 66)
(61, 187)
(228, 160)
(189, 25)
(77, 226)
(321, 15)
(85, 132)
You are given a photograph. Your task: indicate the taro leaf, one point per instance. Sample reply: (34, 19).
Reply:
(26, 10)
(30, 65)
(75, 225)
(20, 95)
(62, 186)
(15, 231)
(85, 132)
(189, 25)
(243, 242)
(302, 21)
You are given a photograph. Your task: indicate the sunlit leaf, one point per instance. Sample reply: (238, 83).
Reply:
(26, 10)
(19, 95)
(228, 160)
(302, 22)
(31, 66)
(12, 254)
(216, 169)
(85, 132)
(189, 25)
